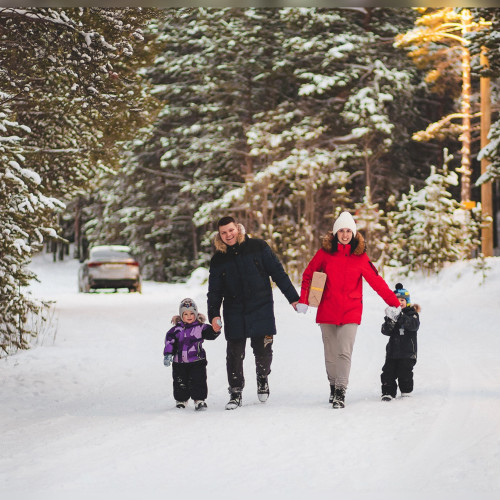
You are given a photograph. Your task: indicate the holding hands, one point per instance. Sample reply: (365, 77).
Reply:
(301, 308)
(393, 312)
(217, 324)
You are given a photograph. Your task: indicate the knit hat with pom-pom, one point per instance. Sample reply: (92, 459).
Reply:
(402, 293)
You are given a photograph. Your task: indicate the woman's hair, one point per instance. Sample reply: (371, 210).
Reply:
(225, 221)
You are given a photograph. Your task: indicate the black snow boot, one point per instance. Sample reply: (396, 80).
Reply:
(234, 401)
(339, 398)
(262, 389)
(332, 393)
(200, 405)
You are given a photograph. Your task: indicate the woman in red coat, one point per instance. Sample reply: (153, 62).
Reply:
(344, 260)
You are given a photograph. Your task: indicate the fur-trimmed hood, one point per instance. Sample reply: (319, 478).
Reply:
(357, 242)
(416, 307)
(220, 246)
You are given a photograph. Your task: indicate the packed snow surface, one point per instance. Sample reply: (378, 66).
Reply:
(88, 412)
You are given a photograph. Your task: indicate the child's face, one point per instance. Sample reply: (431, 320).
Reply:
(402, 301)
(188, 316)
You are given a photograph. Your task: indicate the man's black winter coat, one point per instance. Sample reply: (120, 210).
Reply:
(239, 280)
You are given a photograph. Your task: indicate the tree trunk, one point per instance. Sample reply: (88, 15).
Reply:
(465, 168)
(78, 238)
(486, 187)
(195, 241)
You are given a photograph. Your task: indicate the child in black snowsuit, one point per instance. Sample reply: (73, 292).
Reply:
(401, 325)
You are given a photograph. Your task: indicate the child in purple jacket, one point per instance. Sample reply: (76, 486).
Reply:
(183, 349)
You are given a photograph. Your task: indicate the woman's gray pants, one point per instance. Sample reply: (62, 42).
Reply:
(338, 341)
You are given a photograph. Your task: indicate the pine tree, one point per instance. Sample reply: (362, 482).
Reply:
(370, 220)
(488, 39)
(214, 76)
(492, 153)
(70, 94)
(25, 214)
(259, 109)
(354, 85)
(77, 90)
(321, 116)
(439, 42)
(430, 227)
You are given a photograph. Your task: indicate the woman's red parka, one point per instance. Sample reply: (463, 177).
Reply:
(342, 300)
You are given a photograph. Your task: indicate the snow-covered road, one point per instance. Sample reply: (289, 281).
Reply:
(89, 411)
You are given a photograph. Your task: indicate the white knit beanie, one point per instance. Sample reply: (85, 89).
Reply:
(344, 221)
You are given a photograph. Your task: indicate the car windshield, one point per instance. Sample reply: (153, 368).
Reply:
(109, 254)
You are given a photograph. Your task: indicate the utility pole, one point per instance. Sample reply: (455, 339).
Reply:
(486, 187)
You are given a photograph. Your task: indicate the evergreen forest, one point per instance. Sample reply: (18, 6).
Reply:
(144, 126)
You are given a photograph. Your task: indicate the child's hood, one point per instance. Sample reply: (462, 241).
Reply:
(416, 307)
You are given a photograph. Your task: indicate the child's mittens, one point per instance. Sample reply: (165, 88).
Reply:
(301, 308)
(167, 360)
(393, 312)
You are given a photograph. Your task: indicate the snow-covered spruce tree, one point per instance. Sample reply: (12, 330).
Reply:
(492, 153)
(439, 44)
(372, 112)
(360, 92)
(371, 222)
(25, 218)
(288, 199)
(430, 228)
(77, 89)
(489, 39)
(144, 205)
(245, 90)
(323, 65)
(214, 76)
(69, 85)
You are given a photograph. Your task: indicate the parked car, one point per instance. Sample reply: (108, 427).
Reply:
(110, 266)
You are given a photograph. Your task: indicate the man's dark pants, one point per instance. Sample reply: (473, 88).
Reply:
(235, 354)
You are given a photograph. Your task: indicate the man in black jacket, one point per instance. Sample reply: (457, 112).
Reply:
(239, 280)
